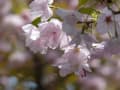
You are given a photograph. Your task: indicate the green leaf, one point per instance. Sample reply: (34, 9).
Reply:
(88, 11)
(82, 2)
(36, 21)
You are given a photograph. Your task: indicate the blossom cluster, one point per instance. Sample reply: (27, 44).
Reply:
(73, 33)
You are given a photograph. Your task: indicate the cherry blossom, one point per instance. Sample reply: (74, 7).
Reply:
(108, 23)
(70, 18)
(47, 35)
(32, 34)
(65, 41)
(98, 50)
(40, 8)
(51, 33)
(75, 60)
(106, 48)
(77, 45)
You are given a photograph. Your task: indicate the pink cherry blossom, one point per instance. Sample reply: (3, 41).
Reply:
(75, 60)
(70, 18)
(32, 34)
(106, 48)
(108, 23)
(40, 8)
(47, 35)
(98, 50)
(51, 33)
(77, 46)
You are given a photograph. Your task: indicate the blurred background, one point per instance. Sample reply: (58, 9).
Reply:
(20, 69)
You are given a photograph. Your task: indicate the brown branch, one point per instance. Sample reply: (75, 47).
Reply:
(86, 22)
(38, 70)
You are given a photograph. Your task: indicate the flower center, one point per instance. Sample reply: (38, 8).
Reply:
(108, 19)
(77, 50)
(53, 33)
